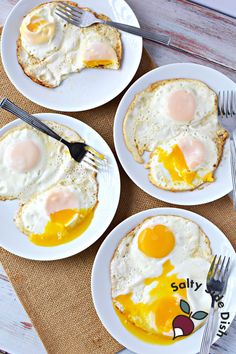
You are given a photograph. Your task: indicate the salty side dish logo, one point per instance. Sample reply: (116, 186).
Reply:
(183, 325)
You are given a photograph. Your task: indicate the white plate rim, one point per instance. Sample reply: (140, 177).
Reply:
(75, 108)
(168, 197)
(56, 117)
(129, 224)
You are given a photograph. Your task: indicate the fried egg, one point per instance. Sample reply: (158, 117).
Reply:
(49, 48)
(164, 109)
(61, 213)
(30, 160)
(184, 162)
(159, 252)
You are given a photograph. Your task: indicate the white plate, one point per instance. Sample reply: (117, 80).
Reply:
(138, 173)
(81, 91)
(102, 293)
(109, 193)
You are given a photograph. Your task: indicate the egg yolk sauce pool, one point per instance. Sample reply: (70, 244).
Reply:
(163, 305)
(146, 264)
(64, 226)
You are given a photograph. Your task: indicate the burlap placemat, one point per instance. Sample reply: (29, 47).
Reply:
(57, 294)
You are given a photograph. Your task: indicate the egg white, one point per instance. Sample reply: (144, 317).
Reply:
(54, 163)
(130, 266)
(191, 258)
(51, 62)
(32, 216)
(148, 124)
(160, 177)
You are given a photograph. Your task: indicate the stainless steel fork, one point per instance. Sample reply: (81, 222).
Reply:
(80, 18)
(216, 285)
(79, 151)
(227, 113)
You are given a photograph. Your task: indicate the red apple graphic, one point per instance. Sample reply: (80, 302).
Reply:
(182, 324)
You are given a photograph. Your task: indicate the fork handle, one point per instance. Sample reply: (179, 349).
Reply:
(233, 167)
(159, 38)
(29, 119)
(208, 335)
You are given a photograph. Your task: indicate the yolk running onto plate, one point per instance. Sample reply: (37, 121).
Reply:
(156, 242)
(163, 306)
(174, 162)
(64, 226)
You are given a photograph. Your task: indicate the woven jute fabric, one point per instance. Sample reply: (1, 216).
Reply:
(57, 294)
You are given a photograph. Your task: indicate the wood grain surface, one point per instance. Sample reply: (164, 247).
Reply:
(199, 35)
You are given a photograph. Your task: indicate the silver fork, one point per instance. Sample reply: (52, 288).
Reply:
(216, 284)
(227, 113)
(80, 152)
(80, 18)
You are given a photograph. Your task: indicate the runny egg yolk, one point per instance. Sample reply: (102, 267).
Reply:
(156, 242)
(98, 53)
(163, 306)
(174, 162)
(64, 226)
(37, 30)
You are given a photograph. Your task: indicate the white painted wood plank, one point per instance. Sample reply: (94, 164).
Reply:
(163, 55)
(227, 6)
(194, 28)
(17, 335)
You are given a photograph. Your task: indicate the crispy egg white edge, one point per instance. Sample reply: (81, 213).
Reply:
(205, 298)
(61, 129)
(24, 58)
(39, 198)
(219, 142)
(129, 122)
(126, 241)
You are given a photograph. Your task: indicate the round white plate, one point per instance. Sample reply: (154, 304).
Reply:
(101, 285)
(80, 91)
(108, 196)
(138, 173)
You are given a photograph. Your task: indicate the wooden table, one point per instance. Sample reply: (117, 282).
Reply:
(199, 35)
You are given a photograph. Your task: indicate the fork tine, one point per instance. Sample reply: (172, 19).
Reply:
(68, 14)
(88, 166)
(96, 159)
(233, 102)
(220, 103)
(67, 19)
(89, 161)
(222, 264)
(212, 266)
(226, 272)
(223, 102)
(71, 8)
(216, 267)
(228, 104)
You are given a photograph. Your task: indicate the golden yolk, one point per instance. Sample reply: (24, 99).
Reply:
(208, 177)
(164, 305)
(156, 242)
(64, 226)
(94, 63)
(35, 24)
(174, 162)
(37, 30)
